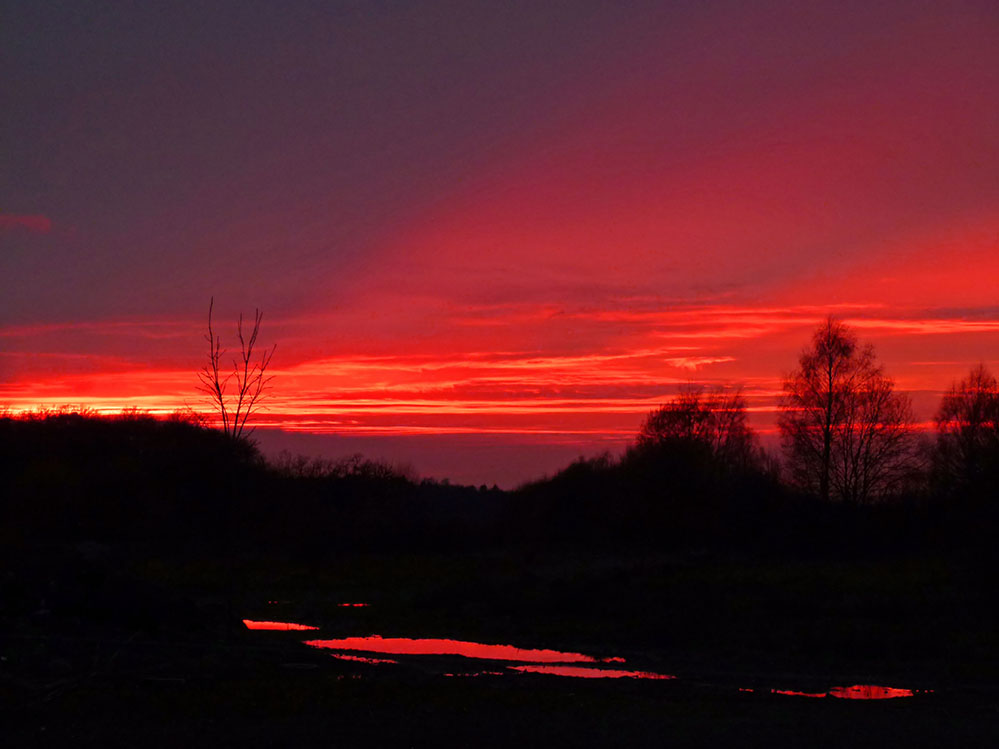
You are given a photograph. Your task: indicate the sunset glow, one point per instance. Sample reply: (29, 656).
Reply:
(520, 257)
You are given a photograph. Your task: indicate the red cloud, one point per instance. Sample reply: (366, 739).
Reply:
(36, 224)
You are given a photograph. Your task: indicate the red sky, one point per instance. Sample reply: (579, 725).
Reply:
(486, 240)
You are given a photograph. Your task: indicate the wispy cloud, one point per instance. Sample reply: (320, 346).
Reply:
(34, 223)
(617, 365)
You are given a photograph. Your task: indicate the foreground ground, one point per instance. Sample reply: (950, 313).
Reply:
(119, 653)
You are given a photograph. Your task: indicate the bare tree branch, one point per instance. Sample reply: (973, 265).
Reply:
(248, 377)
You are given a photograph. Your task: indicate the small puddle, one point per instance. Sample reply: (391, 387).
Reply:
(869, 692)
(280, 626)
(793, 693)
(361, 658)
(856, 692)
(408, 646)
(581, 672)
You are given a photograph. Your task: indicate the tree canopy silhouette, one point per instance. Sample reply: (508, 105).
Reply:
(846, 433)
(235, 395)
(715, 420)
(967, 455)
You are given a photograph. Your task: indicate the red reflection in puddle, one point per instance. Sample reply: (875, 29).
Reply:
(407, 646)
(361, 658)
(869, 692)
(856, 692)
(353, 605)
(793, 693)
(590, 673)
(284, 626)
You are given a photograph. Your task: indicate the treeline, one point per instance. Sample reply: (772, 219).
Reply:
(174, 485)
(854, 474)
(854, 471)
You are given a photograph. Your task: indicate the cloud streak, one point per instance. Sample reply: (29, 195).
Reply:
(598, 395)
(30, 223)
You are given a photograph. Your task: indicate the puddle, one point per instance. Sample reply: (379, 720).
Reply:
(353, 605)
(869, 692)
(581, 672)
(407, 646)
(279, 626)
(856, 692)
(535, 661)
(361, 658)
(793, 693)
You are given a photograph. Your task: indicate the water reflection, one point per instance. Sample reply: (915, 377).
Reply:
(582, 672)
(361, 658)
(794, 693)
(856, 692)
(869, 692)
(535, 660)
(408, 646)
(282, 626)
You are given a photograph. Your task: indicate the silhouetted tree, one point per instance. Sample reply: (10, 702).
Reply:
(715, 420)
(967, 454)
(236, 395)
(846, 432)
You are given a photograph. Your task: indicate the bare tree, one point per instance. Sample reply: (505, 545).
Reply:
(846, 432)
(716, 419)
(236, 394)
(967, 454)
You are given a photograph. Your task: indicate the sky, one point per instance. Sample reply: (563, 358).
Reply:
(490, 237)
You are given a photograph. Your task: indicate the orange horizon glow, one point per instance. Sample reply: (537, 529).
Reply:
(599, 396)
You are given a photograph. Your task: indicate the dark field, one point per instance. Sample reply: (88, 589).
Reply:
(132, 551)
(180, 669)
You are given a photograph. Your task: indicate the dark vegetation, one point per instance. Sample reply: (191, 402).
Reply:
(177, 487)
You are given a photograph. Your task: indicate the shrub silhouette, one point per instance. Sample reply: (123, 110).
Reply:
(79, 476)
(710, 422)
